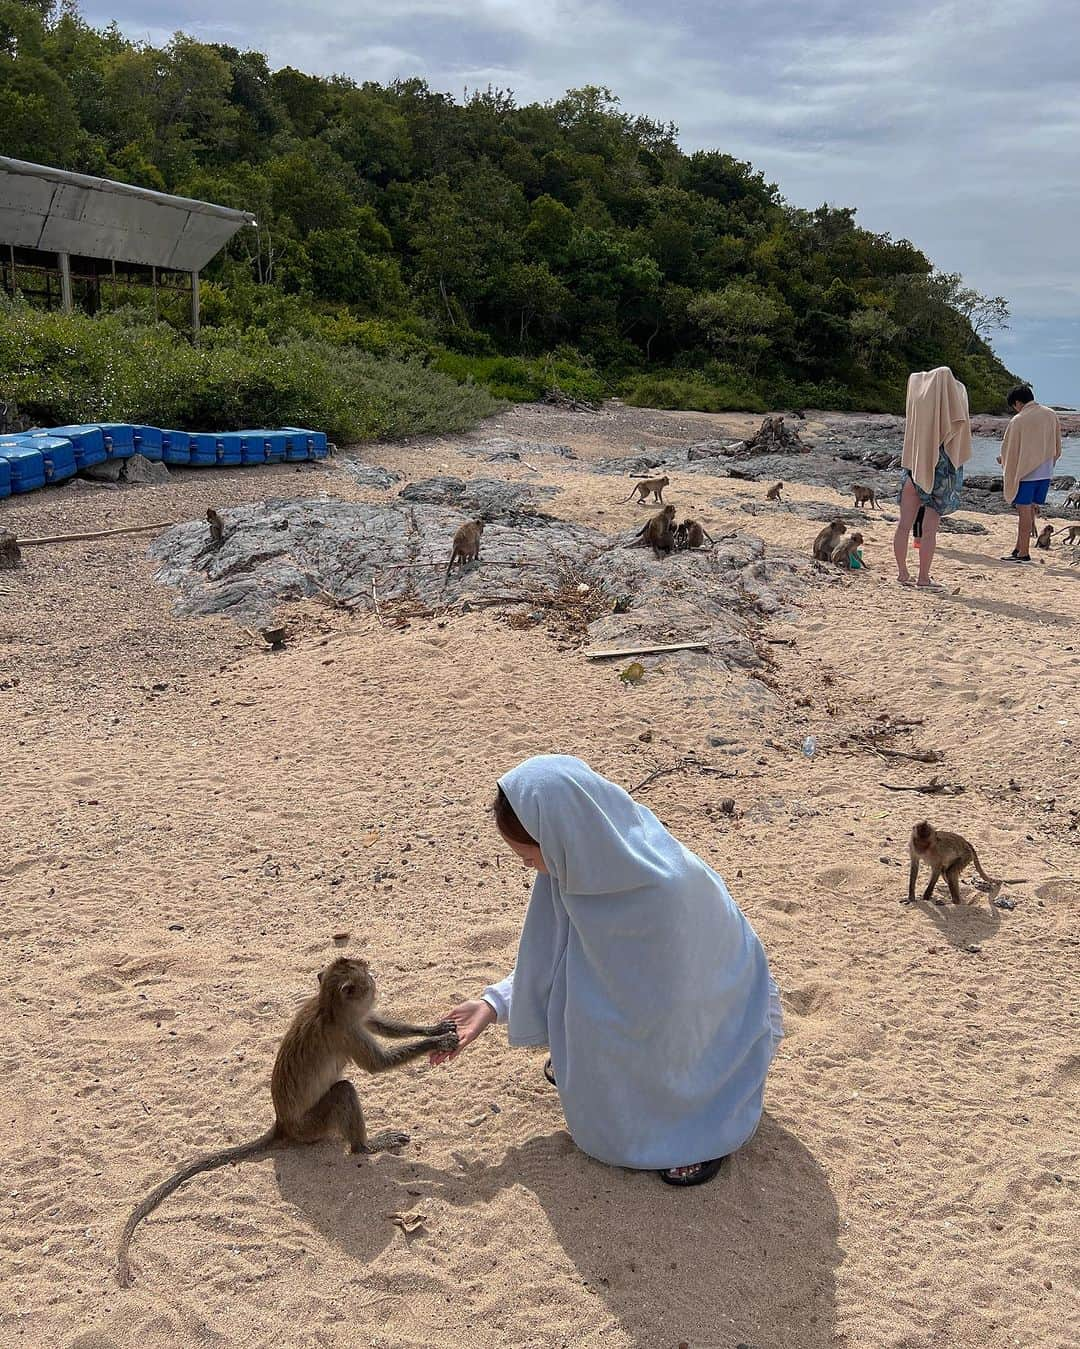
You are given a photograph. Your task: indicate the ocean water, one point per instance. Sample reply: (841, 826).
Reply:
(985, 450)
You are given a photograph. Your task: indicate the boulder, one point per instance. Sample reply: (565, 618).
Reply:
(138, 471)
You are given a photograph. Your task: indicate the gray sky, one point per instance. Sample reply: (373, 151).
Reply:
(955, 123)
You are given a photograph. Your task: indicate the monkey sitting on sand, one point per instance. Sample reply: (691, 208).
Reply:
(827, 540)
(773, 494)
(1043, 541)
(846, 553)
(312, 1101)
(690, 534)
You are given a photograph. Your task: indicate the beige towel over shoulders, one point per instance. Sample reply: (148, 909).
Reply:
(1031, 438)
(936, 415)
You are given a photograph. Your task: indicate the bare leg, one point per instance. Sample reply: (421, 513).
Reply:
(338, 1112)
(1025, 526)
(929, 543)
(909, 508)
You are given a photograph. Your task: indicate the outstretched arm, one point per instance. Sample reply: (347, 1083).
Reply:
(402, 1030)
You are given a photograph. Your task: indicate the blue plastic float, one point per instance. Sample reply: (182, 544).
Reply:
(30, 459)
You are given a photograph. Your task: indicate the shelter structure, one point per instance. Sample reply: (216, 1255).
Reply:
(61, 230)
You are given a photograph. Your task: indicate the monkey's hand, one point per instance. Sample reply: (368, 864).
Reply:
(470, 1020)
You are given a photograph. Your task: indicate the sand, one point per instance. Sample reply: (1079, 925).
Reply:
(187, 820)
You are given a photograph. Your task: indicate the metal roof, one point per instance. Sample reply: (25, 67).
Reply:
(63, 212)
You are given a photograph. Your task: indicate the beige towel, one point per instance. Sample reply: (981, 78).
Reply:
(1032, 437)
(937, 414)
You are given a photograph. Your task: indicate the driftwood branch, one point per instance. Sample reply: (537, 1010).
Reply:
(935, 787)
(94, 534)
(689, 762)
(646, 650)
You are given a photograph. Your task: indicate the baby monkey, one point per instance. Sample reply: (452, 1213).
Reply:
(1043, 541)
(311, 1099)
(943, 852)
(773, 494)
(691, 534)
(654, 485)
(841, 554)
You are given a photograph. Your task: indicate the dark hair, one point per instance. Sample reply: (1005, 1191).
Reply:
(1021, 394)
(507, 822)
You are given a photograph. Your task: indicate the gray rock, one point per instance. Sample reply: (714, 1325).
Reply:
(487, 497)
(109, 471)
(369, 475)
(340, 548)
(984, 482)
(142, 472)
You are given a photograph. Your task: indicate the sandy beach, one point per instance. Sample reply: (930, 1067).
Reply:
(189, 820)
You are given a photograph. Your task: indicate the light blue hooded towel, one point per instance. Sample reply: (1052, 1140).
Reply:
(639, 972)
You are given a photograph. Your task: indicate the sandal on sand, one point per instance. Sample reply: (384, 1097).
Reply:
(549, 1072)
(699, 1174)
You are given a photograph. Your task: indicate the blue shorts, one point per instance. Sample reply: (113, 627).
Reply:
(1032, 493)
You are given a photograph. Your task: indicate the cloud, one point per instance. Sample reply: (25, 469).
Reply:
(954, 123)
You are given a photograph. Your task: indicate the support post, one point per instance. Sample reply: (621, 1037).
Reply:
(195, 306)
(65, 282)
(153, 273)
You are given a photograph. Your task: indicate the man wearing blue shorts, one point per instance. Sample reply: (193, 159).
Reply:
(1031, 448)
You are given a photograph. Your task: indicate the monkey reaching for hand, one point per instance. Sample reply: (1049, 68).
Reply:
(311, 1099)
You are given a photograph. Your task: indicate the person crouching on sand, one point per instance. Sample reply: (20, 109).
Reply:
(639, 973)
(1029, 451)
(937, 445)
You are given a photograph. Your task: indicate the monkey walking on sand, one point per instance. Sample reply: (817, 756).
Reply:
(864, 495)
(944, 853)
(658, 532)
(773, 494)
(466, 545)
(654, 485)
(827, 540)
(1071, 535)
(312, 1101)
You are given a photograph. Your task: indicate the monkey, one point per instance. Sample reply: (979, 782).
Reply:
(658, 533)
(691, 534)
(841, 554)
(942, 852)
(217, 526)
(773, 494)
(1043, 541)
(863, 495)
(1073, 499)
(466, 547)
(654, 485)
(311, 1099)
(1071, 535)
(827, 540)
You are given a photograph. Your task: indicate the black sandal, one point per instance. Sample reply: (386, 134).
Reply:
(705, 1171)
(549, 1073)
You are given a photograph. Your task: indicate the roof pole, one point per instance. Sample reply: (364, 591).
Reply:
(195, 306)
(153, 272)
(65, 282)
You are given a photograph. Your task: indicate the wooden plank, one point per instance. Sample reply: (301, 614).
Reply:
(646, 650)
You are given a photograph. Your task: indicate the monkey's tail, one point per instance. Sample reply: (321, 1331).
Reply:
(241, 1153)
(992, 881)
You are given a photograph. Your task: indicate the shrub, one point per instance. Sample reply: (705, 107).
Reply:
(59, 368)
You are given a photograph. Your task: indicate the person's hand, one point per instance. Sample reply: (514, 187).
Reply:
(471, 1018)
(999, 459)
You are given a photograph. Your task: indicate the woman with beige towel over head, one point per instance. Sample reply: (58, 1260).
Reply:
(937, 445)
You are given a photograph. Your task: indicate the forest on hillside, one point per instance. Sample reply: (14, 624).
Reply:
(570, 243)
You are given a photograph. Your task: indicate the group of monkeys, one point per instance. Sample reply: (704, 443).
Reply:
(660, 532)
(830, 546)
(338, 1026)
